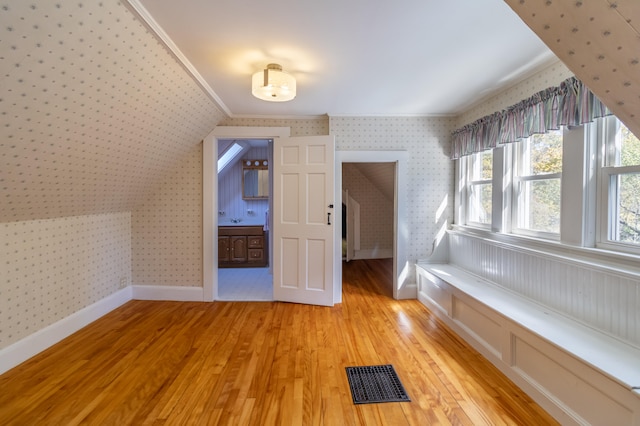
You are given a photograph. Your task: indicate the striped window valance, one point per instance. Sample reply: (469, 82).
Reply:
(569, 104)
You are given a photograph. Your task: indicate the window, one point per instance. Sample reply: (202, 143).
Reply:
(578, 185)
(536, 183)
(620, 185)
(479, 188)
(231, 152)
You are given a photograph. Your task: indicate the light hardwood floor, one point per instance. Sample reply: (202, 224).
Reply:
(262, 363)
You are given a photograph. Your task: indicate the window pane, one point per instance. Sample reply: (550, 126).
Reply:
(539, 206)
(482, 168)
(628, 220)
(487, 164)
(543, 154)
(630, 147)
(480, 204)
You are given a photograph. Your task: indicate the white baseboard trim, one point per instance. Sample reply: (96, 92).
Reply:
(408, 291)
(42, 339)
(173, 293)
(373, 254)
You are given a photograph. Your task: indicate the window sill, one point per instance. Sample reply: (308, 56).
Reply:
(614, 261)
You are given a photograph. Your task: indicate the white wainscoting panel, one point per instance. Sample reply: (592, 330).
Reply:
(550, 369)
(604, 299)
(580, 376)
(481, 322)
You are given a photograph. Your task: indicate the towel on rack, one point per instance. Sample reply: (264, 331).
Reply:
(266, 220)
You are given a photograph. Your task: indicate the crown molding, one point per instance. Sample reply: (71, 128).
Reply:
(147, 19)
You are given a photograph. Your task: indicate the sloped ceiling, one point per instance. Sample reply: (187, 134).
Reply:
(223, 144)
(599, 41)
(381, 175)
(93, 109)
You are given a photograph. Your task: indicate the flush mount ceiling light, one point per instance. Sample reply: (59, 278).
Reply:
(274, 85)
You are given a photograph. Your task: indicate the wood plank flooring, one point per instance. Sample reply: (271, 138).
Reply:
(263, 363)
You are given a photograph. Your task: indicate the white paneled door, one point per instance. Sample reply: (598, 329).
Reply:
(303, 219)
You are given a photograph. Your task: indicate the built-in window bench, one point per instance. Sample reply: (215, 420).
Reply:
(578, 374)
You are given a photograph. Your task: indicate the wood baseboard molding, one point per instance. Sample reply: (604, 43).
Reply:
(173, 293)
(42, 339)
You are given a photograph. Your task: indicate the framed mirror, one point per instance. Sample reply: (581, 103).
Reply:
(255, 179)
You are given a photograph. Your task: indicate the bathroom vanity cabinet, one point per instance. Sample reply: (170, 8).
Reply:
(241, 246)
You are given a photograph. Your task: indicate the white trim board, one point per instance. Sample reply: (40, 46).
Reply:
(37, 342)
(210, 195)
(42, 339)
(404, 286)
(144, 14)
(373, 254)
(171, 293)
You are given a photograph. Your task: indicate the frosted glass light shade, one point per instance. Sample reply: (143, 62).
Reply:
(274, 85)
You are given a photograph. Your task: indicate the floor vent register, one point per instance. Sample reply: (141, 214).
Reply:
(374, 384)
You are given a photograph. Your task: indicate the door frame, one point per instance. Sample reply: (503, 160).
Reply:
(403, 286)
(210, 198)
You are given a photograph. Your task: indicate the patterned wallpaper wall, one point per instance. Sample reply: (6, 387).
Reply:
(599, 41)
(551, 76)
(95, 115)
(314, 126)
(430, 172)
(97, 119)
(167, 225)
(52, 268)
(167, 229)
(93, 112)
(376, 210)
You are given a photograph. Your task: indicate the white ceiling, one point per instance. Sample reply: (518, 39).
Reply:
(353, 57)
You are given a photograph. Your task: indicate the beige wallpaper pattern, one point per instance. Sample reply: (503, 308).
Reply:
(167, 226)
(98, 120)
(430, 172)
(95, 116)
(93, 110)
(314, 126)
(167, 229)
(551, 76)
(52, 268)
(599, 41)
(376, 210)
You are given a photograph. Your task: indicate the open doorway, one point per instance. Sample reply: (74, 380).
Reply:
(403, 286)
(210, 210)
(368, 194)
(368, 213)
(243, 191)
